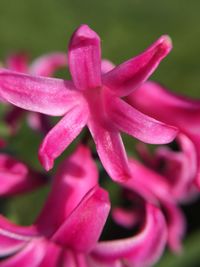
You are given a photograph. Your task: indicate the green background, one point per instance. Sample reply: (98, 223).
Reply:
(126, 27)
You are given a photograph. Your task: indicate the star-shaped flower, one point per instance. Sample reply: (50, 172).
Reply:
(92, 98)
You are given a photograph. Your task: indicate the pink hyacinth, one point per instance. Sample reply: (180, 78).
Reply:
(67, 230)
(43, 66)
(68, 226)
(177, 110)
(92, 98)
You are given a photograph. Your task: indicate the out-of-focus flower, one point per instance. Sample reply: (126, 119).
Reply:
(167, 181)
(92, 98)
(68, 228)
(178, 167)
(42, 66)
(181, 112)
(69, 224)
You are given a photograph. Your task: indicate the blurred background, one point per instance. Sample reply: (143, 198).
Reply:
(126, 28)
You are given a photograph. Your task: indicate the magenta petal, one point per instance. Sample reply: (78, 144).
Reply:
(176, 225)
(181, 112)
(48, 64)
(15, 177)
(125, 218)
(137, 124)
(180, 167)
(71, 183)
(31, 255)
(123, 79)
(46, 95)
(74, 259)
(13, 237)
(18, 62)
(83, 227)
(10, 245)
(141, 250)
(169, 107)
(84, 58)
(52, 256)
(61, 135)
(151, 189)
(110, 149)
(106, 66)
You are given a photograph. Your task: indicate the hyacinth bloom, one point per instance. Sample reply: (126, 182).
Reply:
(43, 66)
(92, 98)
(67, 229)
(16, 177)
(181, 112)
(69, 224)
(167, 180)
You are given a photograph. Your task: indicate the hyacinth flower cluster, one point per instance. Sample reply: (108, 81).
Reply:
(109, 100)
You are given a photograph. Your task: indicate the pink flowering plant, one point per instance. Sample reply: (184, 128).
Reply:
(80, 224)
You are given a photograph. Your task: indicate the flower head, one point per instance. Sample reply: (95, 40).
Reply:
(92, 98)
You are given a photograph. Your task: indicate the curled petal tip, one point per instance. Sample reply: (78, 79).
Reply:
(165, 45)
(45, 161)
(83, 33)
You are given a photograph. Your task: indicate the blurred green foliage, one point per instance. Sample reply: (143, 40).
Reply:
(126, 27)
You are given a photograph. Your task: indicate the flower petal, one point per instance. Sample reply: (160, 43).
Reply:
(169, 107)
(176, 225)
(106, 66)
(123, 79)
(84, 58)
(72, 182)
(151, 189)
(141, 250)
(13, 237)
(137, 124)
(83, 227)
(52, 256)
(110, 149)
(48, 64)
(16, 177)
(46, 95)
(74, 259)
(61, 135)
(180, 167)
(125, 218)
(17, 62)
(31, 255)
(181, 112)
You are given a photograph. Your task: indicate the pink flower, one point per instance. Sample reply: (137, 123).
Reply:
(169, 182)
(91, 98)
(181, 112)
(69, 224)
(43, 66)
(68, 228)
